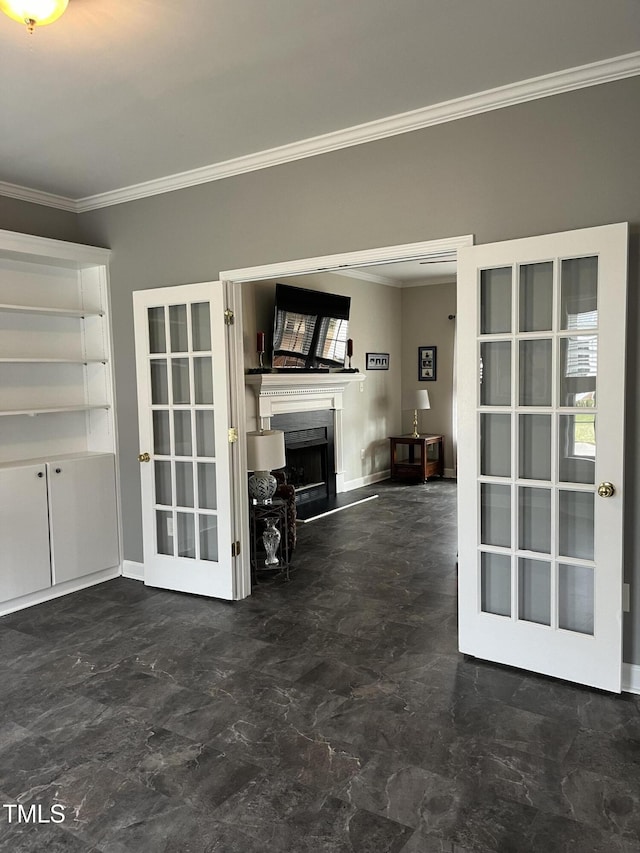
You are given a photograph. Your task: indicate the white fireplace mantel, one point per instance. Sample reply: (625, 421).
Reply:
(286, 393)
(283, 393)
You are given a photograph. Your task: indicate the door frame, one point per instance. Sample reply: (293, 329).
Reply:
(444, 249)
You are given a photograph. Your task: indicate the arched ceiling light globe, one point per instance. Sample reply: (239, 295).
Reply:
(34, 13)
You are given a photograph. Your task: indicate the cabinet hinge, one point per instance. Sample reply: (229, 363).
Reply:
(233, 435)
(229, 317)
(235, 549)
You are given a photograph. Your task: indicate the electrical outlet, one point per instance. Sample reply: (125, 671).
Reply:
(626, 597)
(361, 387)
(362, 453)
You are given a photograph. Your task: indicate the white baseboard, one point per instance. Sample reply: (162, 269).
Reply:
(631, 678)
(450, 473)
(369, 480)
(133, 570)
(58, 590)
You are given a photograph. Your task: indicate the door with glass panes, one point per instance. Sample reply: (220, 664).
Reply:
(181, 367)
(541, 349)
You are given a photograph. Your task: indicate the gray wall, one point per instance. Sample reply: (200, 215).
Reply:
(554, 164)
(26, 218)
(425, 322)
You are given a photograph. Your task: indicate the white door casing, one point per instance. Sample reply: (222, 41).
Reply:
(183, 409)
(541, 365)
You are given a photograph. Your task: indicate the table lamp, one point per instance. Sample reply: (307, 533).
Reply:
(265, 452)
(418, 399)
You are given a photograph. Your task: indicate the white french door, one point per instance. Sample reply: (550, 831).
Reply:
(181, 364)
(541, 365)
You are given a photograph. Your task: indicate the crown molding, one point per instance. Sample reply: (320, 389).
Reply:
(558, 82)
(38, 197)
(368, 276)
(446, 279)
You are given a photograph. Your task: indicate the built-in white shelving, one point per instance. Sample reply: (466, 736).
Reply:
(58, 508)
(50, 410)
(81, 313)
(23, 360)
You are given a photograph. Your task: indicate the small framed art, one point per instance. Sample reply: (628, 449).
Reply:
(427, 364)
(377, 361)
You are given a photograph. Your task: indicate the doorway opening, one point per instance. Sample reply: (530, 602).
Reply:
(356, 264)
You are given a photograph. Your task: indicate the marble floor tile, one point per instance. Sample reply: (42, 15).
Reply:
(330, 713)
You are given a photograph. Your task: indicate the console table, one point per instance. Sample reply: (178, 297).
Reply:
(416, 459)
(258, 514)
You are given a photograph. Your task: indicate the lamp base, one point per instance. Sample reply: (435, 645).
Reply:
(262, 485)
(416, 434)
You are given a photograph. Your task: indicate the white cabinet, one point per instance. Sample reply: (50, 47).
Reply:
(82, 510)
(24, 531)
(58, 523)
(56, 418)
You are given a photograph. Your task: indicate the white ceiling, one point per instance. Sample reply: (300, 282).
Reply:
(118, 92)
(412, 273)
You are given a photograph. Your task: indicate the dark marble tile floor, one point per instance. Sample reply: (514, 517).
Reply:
(329, 714)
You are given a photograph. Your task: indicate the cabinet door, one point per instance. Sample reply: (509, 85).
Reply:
(84, 529)
(24, 531)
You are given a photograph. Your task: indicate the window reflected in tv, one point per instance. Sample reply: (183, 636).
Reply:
(310, 328)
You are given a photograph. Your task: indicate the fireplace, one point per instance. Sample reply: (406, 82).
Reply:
(303, 395)
(310, 453)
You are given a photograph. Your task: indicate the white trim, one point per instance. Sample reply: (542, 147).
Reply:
(425, 249)
(631, 678)
(367, 480)
(38, 197)
(133, 570)
(58, 590)
(47, 250)
(450, 473)
(522, 91)
(337, 509)
(283, 393)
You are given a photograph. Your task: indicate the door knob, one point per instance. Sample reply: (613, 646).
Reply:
(605, 490)
(144, 457)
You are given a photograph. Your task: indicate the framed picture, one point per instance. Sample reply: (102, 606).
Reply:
(377, 361)
(427, 364)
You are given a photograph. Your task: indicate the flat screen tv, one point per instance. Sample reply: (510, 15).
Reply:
(310, 329)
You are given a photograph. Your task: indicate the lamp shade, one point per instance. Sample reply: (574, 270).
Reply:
(417, 399)
(265, 450)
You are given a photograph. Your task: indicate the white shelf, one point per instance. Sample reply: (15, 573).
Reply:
(55, 457)
(48, 410)
(19, 360)
(51, 312)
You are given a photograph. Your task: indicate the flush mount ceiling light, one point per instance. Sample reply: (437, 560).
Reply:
(34, 13)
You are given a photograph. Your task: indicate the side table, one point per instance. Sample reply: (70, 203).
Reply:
(416, 459)
(258, 515)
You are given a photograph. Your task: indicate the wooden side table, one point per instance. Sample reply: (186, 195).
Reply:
(416, 459)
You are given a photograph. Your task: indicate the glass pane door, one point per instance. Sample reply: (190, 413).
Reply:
(181, 358)
(541, 326)
(538, 404)
(182, 398)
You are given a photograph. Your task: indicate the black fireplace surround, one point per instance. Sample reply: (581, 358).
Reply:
(310, 453)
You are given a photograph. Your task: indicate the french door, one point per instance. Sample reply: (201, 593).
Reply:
(181, 364)
(541, 365)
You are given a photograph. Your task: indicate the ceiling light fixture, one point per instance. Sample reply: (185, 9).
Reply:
(34, 13)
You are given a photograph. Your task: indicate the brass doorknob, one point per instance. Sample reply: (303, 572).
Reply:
(144, 457)
(605, 490)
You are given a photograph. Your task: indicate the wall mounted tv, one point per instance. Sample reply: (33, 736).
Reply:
(310, 329)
